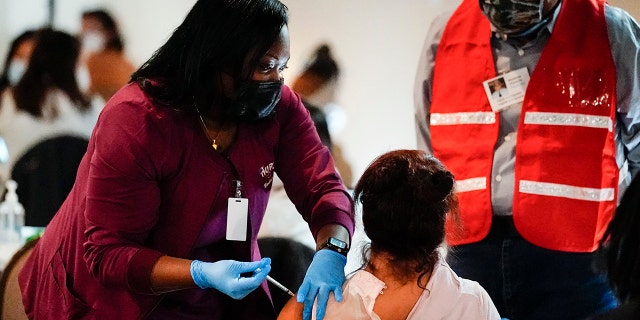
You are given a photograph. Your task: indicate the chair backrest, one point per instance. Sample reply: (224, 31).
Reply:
(45, 174)
(11, 307)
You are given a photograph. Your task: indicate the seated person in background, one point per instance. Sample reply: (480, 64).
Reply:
(405, 196)
(621, 248)
(48, 101)
(17, 58)
(317, 85)
(104, 53)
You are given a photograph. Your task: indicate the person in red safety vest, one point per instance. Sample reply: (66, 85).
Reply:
(538, 169)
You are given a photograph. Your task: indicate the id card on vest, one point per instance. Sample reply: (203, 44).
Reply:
(506, 89)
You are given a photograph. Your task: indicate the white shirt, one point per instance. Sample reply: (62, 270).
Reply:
(282, 219)
(21, 130)
(447, 296)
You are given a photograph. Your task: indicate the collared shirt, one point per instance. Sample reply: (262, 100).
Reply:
(446, 296)
(509, 55)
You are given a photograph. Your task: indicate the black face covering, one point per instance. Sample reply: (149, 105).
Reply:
(513, 16)
(255, 99)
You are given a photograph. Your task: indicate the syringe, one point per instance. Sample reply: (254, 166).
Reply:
(279, 285)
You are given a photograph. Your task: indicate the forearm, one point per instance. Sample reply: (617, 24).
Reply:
(332, 230)
(233, 278)
(170, 274)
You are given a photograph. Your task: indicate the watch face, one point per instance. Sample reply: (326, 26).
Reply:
(338, 243)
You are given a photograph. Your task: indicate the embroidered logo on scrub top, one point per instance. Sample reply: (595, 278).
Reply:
(266, 173)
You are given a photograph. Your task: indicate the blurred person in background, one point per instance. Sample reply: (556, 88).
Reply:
(17, 59)
(317, 85)
(49, 99)
(103, 51)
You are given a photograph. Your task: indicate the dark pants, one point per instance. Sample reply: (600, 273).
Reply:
(527, 282)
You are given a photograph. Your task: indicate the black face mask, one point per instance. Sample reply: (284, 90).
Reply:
(513, 16)
(255, 99)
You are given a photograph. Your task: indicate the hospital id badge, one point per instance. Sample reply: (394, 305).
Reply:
(237, 216)
(507, 89)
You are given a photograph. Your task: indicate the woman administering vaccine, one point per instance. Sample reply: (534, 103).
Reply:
(163, 218)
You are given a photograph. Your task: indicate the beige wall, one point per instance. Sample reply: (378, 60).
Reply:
(376, 43)
(632, 6)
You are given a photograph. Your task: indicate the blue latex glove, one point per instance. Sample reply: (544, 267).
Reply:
(225, 276)
(325, 274)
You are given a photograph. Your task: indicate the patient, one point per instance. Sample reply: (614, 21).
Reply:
(620, 247)
(405, 196)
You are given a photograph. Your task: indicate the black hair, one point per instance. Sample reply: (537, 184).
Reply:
(216, 36)
(621, 245)
(114, 39)
(52, 65)
(320, 69)
(322, 63)
(13, 48)
(405, 197)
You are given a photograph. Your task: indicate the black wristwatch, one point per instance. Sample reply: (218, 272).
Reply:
(336, 245)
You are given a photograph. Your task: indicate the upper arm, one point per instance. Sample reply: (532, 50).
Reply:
(122, 194)
(307, 169)
(624, 38)
(292, 310)
(423, 81)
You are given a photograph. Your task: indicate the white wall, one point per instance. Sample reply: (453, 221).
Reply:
(376, 43)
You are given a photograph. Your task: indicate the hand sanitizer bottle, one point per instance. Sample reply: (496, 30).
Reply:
(11, 213)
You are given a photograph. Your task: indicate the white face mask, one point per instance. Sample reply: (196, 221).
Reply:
(93, 42)
(83, 78)
(16, 70)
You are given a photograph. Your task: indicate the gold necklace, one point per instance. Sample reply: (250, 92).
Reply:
(206, 130)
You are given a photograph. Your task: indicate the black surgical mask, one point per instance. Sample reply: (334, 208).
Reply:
(255, 99)
(514, 17)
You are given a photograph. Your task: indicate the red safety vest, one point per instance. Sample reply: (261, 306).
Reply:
(565, 170)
